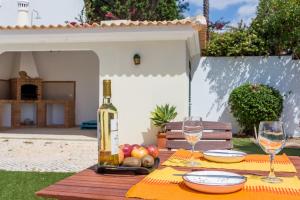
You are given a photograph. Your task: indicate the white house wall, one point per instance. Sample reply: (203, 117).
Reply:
(160, 78)
(216, 77)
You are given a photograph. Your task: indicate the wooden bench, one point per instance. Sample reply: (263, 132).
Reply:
(216, 135)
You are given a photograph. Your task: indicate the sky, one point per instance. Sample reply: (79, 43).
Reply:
(230, 10)
(59, 11)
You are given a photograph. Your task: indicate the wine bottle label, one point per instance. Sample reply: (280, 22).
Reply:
(114, 136)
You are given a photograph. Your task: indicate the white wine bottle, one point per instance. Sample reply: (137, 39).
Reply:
(108, 138)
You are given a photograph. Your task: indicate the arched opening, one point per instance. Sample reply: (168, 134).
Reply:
(60, 90)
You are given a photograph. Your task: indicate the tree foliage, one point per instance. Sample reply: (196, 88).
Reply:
(236, 42)
(252, 103)
(98, 10)
(278, 23)
(274, 31)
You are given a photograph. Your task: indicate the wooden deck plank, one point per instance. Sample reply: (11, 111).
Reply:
(94, 184)
(87, 185)
(103, 190)
(104, 178)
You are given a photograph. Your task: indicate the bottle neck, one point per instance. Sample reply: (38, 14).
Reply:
(106, 100)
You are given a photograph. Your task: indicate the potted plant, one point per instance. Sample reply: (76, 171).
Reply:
(160, 117)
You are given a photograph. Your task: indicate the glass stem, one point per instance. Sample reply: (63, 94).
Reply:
(272, 174)
(193, 149)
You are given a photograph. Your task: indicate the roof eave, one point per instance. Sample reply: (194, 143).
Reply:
(96, 35)
(191, 30)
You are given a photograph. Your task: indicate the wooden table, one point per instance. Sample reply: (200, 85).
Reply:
(89, 185)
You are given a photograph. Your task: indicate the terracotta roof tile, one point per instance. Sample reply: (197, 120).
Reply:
(195, 22)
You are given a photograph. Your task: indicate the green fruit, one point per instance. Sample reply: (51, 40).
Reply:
(147, 161)
(132, 162)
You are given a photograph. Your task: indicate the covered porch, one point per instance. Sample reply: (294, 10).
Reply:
(87, 54)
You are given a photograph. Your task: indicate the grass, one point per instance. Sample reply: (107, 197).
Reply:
(246, 145)
(23, 185)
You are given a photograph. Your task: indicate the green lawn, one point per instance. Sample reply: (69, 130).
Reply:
(23, 185)
(246, 145)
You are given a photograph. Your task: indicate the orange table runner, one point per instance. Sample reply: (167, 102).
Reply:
(163, 185)
(252, 162)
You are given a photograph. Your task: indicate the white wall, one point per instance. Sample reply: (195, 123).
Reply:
(6, 115)
(79, 66)
(136, 90)
(6, 65)
(28, 112)
(4, 89)
(55, 114)
(215, 77)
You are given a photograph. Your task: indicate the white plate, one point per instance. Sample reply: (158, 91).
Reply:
(224, 156)
(218, 182)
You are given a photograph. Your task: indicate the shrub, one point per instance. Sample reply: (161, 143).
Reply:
(252, 103)
(239, 41)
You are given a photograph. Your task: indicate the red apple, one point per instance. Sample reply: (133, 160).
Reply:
(153, 151)
(139, 152)
(127, 148)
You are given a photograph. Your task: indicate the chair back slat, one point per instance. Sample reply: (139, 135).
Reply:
(205, 136)
(207, 125)
(202, 145)
(216, 135)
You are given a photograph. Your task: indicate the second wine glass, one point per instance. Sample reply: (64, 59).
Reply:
(272, 138)
(192, 129)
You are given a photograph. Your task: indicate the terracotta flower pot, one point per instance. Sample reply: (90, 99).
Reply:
(161, 140)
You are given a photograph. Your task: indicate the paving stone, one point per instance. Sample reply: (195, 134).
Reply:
(55, 156)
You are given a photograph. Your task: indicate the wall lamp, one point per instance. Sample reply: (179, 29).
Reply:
(137, 59)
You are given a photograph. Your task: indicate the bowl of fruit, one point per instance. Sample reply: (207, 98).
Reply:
(134, 159)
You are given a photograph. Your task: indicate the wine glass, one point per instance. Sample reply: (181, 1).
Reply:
(271, 138)
(192, 129)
